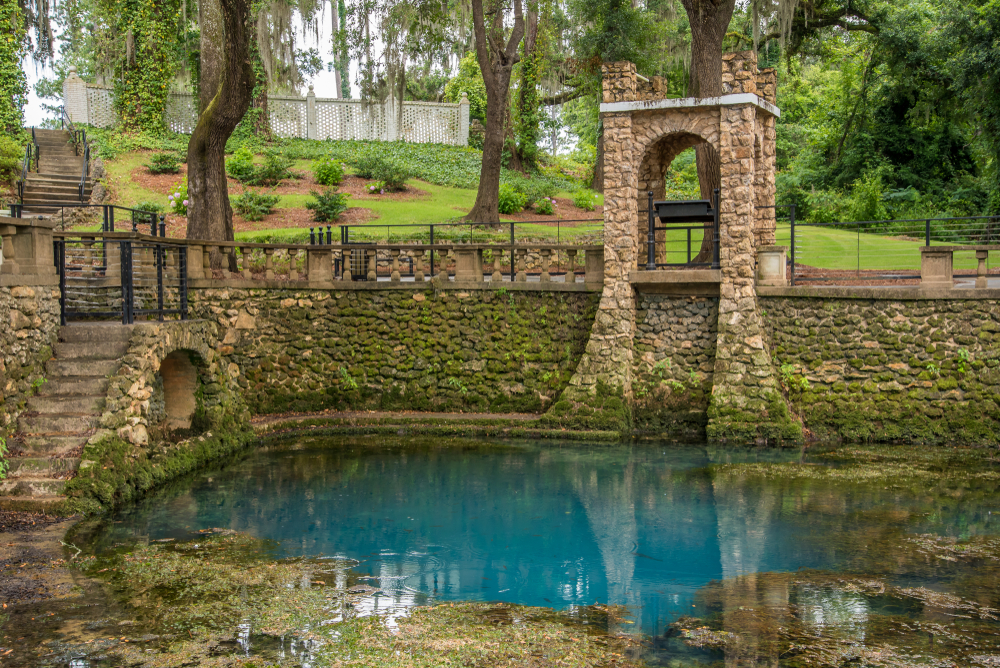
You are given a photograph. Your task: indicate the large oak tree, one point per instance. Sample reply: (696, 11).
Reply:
(497, 58)
(210, 215)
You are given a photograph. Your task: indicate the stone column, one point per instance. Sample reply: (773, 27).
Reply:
(608, 357)
(311, 132)
(765, 161)
(746, 403)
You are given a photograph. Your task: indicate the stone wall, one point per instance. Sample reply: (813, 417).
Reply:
(481, 350)
(29, 324)
(674, 364)
(890, 370)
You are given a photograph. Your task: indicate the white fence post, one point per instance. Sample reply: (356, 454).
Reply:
(463, 121)
(75, 97)
(311, 132)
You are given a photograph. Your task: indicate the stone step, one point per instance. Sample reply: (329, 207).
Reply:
(42, 503)
(80, 332)
(92, 350)
(22, 467)
(42, 177)
(68, 187)
(31, 486)
(51, 203)
(56, 368)
(57, 425)
(75, 385)
(66, 404)
(51, 446)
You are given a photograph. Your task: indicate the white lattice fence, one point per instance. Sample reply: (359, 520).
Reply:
(306, 117)
(182, 112)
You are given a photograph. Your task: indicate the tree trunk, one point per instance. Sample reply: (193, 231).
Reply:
(210, 216)
(598, 182)
(335, 8)
(496, 62)
(212, 45)
(709, 20)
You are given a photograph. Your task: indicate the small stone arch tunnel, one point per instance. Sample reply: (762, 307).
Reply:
(178, 380)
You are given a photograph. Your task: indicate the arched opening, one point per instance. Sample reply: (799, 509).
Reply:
(670, 158)
(179, 376)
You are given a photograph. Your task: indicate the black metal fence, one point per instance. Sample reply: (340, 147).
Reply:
(101, 279)
(110, 217)
(876, 251)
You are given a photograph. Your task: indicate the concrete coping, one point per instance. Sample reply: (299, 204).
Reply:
(952, 249)
(6, 221)
(692, 103)
(645, 277)
(914, 292)
(362, 286)
(28, 280)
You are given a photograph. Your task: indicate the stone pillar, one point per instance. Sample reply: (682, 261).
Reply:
(771, 262)
(765, 161)
(936, 268)
(608, 357)
(319, 267)
(746, 403)
(468, 265)
(463, 120)
(75, 97)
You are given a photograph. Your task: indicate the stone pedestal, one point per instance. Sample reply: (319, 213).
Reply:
(936, 269)
(468, 265)
(771, 261)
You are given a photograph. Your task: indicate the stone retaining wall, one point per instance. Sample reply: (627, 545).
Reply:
(674, 364)
(483, 350)
(888, 369)
(29, 324)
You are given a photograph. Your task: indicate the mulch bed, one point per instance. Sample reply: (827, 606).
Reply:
(564, 210)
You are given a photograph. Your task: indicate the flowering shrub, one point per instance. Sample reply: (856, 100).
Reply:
(178, 199)
(377, 188)
(545, 206)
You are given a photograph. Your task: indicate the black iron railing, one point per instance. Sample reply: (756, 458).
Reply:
(127, 279)
(138, 220)
(34, 140)
(23, 181)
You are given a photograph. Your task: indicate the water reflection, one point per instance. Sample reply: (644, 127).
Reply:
(545, 524)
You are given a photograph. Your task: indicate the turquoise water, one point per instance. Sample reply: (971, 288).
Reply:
(545, 524)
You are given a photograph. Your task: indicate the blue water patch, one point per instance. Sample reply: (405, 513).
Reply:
(534, 523)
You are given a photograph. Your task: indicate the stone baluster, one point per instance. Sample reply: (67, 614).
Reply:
(522, 275)
(206, 262)
(497, 276)
(570, 265)
(418, 266)
(395, 265)
(225, 252)
(269, 264)
(245, 256)
(372, 265)
(293, 262)
(545, 257)
(981, 256)
(443, 273)
(347, 256)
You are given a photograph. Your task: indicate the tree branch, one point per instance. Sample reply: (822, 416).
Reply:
(565, 96)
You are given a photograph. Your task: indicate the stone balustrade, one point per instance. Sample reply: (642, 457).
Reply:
(26, 257)
(937, 265)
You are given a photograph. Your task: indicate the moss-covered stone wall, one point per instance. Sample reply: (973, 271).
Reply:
(673, 365)
(890, 370)
(480, 350)
(29, 325)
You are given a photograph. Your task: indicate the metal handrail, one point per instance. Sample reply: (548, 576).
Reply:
(34, 140)
(25, 168)
(84, 170)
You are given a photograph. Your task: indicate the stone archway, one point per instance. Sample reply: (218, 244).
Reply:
(643, 130)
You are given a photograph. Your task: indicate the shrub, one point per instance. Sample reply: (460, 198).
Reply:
(253, 205)
(545, 206)
(240, 165)
(274, 170)
(377, 188)
(328, 172)
(163, 163)
(585, 199)
(178, 199)
(11, 155)
(327, 205)
(511, 200)
(152, 207)
(391, 172)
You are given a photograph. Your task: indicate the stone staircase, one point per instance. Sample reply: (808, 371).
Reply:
(58, 421)
(57, 182)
